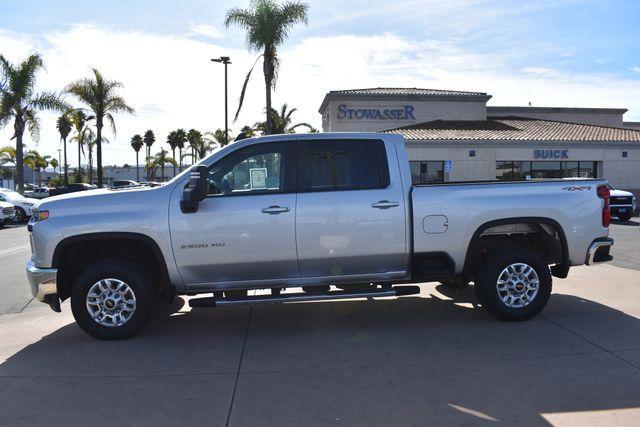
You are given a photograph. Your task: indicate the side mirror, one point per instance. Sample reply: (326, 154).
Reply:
(196, 191)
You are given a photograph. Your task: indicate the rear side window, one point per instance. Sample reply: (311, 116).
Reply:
(343, 165)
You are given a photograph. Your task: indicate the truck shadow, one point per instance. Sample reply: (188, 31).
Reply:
(416, 360)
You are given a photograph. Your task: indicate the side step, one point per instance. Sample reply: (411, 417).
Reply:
(395, 291)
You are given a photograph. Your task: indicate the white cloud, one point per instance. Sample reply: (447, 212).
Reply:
(205, 30)
(635, 69)
(171, 82)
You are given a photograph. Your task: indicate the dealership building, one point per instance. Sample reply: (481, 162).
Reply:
(455, 136)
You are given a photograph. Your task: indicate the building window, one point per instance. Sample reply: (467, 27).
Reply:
(472, 153)
(426, 172)
(625, 154)
(517, 170)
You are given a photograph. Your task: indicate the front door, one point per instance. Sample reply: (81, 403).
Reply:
(243, 233)
(351, 214)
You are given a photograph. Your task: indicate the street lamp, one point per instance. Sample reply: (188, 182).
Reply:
(226, 61)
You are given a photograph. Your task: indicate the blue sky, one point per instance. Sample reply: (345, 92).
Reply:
(551, 53)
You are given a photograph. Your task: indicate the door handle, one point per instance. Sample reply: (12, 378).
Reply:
(384, 204)
(274, 210)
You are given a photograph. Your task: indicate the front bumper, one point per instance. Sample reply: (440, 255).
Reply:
(599, 251)
(43, 284)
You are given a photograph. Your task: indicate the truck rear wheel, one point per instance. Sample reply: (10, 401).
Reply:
(513, 283)
(112, 299)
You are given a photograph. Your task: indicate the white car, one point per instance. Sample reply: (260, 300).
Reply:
(22, 204)
(622, 203)
(7, 213)
(37, 192)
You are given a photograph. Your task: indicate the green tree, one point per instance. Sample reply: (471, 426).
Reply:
(64, 126)
(172, 140)
(8, 155)
(100, 96)
(36, 162)
(149, 138)
(181, 140)
(80, 122)
(20, 102)
(220, 137)
(160, 160)
(136, 144)
(54, 164)
(194, 137)
(267, 24)
(282, 122)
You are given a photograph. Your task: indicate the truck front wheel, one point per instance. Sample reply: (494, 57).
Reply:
(513, 283)
(112, 299)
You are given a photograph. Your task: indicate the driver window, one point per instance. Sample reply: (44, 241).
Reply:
(255, 169)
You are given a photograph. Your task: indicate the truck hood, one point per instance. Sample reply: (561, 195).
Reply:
(104, 200)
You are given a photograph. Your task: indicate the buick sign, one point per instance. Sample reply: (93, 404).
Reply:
(403, 113)
(550, 154)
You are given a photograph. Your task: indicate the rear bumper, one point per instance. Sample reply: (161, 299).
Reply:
(599, 251)
(43, 284)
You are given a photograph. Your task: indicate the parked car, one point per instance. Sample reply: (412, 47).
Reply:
(623, 203)
(22, 204)
(36, 192)
(7, 213)
(72, 188)
(310, 211)
(123, 183)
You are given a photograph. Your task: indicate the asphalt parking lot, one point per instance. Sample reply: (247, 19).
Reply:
(428, 359)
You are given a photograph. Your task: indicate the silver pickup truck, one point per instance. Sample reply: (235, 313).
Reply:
(309, 217)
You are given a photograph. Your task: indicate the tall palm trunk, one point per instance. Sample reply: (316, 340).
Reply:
(163, 172)
(19, 130)
(99, 150)
(137, 168)
(267, 67)
(79, 153)
(66, 174)
(180, 153)
(90, 165)
(148, 164)
(173, 153)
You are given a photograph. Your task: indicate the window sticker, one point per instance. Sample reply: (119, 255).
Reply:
(258, 178)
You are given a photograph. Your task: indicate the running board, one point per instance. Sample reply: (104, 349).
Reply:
(395, 291)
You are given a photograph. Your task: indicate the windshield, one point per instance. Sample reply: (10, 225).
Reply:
(10, 194)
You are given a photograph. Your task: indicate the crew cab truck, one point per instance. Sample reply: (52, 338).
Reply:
(333, 214)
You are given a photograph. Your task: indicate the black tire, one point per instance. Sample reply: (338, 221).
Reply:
(21, 215)
(624, 217)
(137, 278)
(490, 271)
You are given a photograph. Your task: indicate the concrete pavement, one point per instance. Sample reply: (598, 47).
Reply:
(14, 253)
(412, 361)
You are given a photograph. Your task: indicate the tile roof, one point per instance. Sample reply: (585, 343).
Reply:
(406, 91)
(514, 128)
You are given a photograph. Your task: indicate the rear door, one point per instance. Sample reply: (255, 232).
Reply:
(350, 217)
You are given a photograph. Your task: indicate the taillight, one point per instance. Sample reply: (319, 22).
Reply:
(604, 192)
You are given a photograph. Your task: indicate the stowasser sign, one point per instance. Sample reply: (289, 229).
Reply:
(404, 112)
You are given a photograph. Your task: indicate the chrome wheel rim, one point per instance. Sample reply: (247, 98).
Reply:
(518, 285)
(111, 302)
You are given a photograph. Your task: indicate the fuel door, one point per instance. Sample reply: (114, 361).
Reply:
(435, 224)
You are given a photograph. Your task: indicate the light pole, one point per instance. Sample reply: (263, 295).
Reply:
(226, 61)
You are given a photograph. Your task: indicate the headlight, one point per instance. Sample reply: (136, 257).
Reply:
(40, 215)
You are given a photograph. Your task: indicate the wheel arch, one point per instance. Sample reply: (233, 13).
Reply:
(560, 269)
(84, 242)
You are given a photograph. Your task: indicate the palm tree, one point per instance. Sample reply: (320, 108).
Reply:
(136, 144)
(282, 122)
(173, 143)
(149, 138)
(64, 126)
(194, 137)
(80, 122)
(181, 139)
(161, 159)
(100, 96)
(220, 137)
(267, 24)
(35, 161)
(8, 155)
(54, 164)
(19, 102)
(90, 141)
(206, 144)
